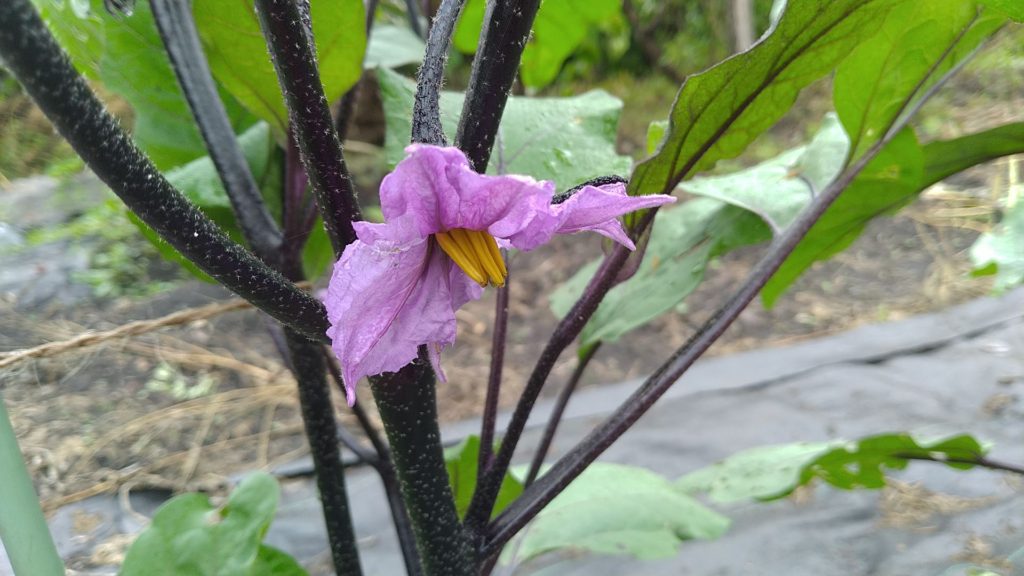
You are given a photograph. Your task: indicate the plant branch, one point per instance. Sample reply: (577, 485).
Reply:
(559, 409)
(181, 40)
(386, 470)
(490, 415)
(506, 28)
(292, 50)
(322, 431)
(572, 464)
(426, 112)
(37, 61)
(568, 329)
(407, 404)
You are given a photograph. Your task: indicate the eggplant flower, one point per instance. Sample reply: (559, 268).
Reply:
(399, 284)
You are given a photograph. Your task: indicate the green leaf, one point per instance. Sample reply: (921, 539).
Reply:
(656, 131)
(718, 113)
(862, 464)
(127, 55)
(944, 158)
(237, 52)
(778, 189)
(461, 462)
(393, 46)
(915, 45)
(1003, 248)
(272, 562)
(189, 536)
(889, 182)
(567, 140)
(761, 473)
(686, 237)
(558, 30)
(621, 510)
(79, 29)
(1012, 8)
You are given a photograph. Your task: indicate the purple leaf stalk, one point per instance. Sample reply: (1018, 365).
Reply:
(397, 287)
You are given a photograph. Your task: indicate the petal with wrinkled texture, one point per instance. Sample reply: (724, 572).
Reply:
(386, 298)
(597, 208)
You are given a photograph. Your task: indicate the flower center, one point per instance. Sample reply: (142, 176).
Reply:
(476, 252)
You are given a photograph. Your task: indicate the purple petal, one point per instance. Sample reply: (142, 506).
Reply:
(512, 207)
(597, 208)
(420, 186)
(386, 298)
(440, 191)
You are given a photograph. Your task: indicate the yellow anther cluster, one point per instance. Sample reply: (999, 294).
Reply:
(477, 253)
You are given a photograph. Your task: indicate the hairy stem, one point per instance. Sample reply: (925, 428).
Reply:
(322, 431)
(292, 50)
(426, 112)
(490, 416)
(407, 404)
(181, 40)
(37, 61)
(559, 409)
(506, 28)
(386, 470)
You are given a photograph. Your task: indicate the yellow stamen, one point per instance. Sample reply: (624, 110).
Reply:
(477, 253)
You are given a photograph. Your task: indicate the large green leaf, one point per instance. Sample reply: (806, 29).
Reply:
(558, 29)
(944, 158)
(190, 536)
(889, 182)
(760, 473)
(80, 30)
(1001, 251)
(621, 510)
(915, 44)
(1012, 8)
(237, 52)
(462, 461)
(742, 208)
(873, 87)
(393, 46)
(567, 140)
(126, 54)
(718, 113)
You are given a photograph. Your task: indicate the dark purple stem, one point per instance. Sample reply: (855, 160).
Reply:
(181, 40)
(386, 470)
(426, 112)
(322, 432)
(559, 409)
(490, 415)
(37, 61)
(502, 41)
(407, 404)
(292, 51)
(567, 330)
